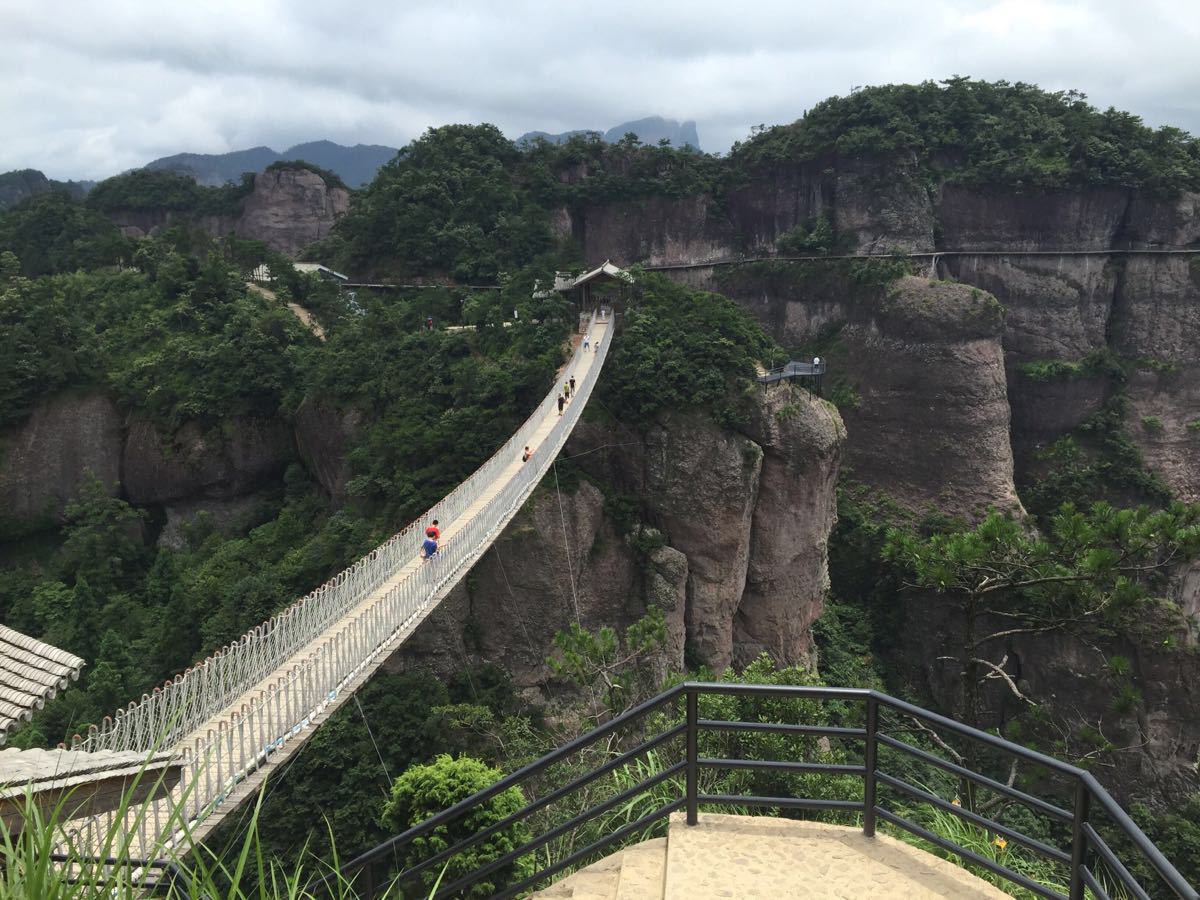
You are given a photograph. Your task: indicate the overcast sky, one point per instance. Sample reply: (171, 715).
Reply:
(88, 89)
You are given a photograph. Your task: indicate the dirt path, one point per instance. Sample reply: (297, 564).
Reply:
(307, 319)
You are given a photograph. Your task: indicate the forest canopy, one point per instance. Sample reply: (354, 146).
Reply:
(982, 132)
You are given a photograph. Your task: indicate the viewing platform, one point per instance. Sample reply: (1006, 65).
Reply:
(760, 856)
(796, 370)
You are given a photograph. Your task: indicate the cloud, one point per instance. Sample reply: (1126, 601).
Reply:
(92, 89)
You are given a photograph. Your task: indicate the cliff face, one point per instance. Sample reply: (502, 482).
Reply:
(44, 460)
(1155, 740)
(930, 426)
(745, 519)
(942, 411)
(1142, 308)
(877, 205)
(287, 210)
(323, 437)
(193, 462)
(291, 208)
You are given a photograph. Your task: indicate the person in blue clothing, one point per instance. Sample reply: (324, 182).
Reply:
(429, 548)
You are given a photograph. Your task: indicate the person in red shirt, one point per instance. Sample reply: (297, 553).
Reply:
(433, 531)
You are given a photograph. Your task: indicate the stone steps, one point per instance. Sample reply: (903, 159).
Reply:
(635, 873)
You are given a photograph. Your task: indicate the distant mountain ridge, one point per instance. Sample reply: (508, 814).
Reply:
(650, 130)
(355, 165)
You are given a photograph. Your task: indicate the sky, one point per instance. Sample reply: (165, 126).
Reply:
(90, 89)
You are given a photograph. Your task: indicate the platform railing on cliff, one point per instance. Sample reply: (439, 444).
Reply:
(1078, 819)
(219, 714)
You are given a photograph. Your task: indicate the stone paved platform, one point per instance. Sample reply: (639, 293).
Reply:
(760, 857)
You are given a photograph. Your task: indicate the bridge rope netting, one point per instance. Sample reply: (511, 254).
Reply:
(229, 717)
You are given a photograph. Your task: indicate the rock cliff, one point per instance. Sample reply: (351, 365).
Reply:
(947, 412)
(929, 425)
(287, 210)
(219, 463)
(44, 460)
(1154, 739)
(291, 208)
(745, 517)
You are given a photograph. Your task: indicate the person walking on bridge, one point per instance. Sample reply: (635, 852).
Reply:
(433, 531)
(572, 384)
(585, 342)
(561, 403)
(429, 548)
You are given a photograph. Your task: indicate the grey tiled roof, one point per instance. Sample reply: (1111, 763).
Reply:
(31, 672)
(45, 769)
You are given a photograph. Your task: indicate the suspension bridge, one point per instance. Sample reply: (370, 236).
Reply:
(237, 716)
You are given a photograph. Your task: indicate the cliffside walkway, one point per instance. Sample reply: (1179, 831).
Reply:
(235, 717)
(933, 255)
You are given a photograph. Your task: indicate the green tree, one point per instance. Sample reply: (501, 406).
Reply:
(424, 791)
(1087, 571)
(620, 669)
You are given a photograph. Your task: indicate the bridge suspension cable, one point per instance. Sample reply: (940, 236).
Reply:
(249, 706)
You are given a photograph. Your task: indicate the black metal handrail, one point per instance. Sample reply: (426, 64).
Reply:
(1088, 797)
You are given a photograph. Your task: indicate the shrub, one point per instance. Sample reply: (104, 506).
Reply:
(424, 791)
(1152, 423)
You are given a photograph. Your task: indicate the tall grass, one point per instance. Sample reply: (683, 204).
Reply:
(1020, 859)
(47, 860)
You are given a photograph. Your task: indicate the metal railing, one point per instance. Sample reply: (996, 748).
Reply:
(795, 369)
(1074, 808)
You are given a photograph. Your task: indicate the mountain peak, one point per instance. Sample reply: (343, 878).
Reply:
(649, 130)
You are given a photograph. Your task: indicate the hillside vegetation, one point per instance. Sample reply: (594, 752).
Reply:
(994, 133)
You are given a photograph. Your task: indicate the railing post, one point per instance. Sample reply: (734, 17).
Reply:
(693, 754)
(869, 766)
(1083, 799)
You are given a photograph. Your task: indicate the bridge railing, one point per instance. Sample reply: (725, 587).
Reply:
(186, 702)
(217, 761)
(578, 809)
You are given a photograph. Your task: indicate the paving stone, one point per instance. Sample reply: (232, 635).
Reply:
(761, 857)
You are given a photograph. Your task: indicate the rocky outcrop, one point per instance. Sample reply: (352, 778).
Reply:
(745, 518)
(537, 580)
(243, 454)
(787, 577)
(876, 205)
(290, 209)
(287, 210)
(44, 460)
(703, 482)
(930, 428)
(323, 437)
(1164, 423)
